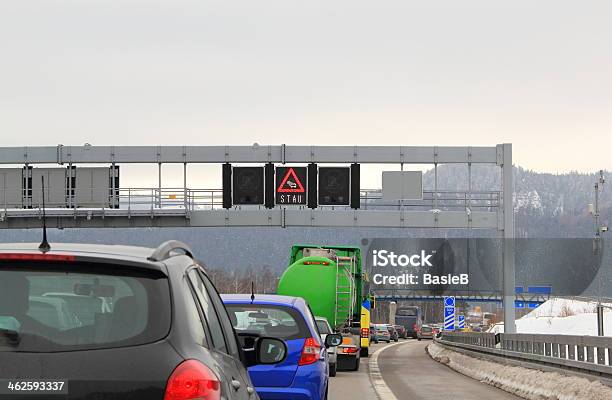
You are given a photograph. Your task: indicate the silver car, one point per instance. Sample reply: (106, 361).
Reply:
(332, 352)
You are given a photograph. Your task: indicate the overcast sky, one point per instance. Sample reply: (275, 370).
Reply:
(534, 73)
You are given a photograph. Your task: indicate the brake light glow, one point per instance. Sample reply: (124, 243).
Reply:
(193, 380)
(36, 257)
(349, 350)
(316, 263)
(310, 352)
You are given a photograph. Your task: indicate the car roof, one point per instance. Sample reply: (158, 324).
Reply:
(91, 252)
(269, 299)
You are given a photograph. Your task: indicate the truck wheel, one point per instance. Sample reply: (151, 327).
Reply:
(356, 366)
(364, 352)
(419, 339)
(333, 368)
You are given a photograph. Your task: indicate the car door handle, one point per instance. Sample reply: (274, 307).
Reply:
(235, 384)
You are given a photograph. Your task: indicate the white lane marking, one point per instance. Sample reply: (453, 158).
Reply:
(378, 383)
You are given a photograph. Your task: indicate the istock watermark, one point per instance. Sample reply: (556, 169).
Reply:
(553, 266)
(382, 258)
(422, 259)
(427, 279)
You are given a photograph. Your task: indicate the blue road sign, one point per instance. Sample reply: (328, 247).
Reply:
(539, 289)
(533, 305)
(449, 313)
(461, 322)
(519, 304)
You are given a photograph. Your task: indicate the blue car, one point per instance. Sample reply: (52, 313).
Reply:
(304, 373)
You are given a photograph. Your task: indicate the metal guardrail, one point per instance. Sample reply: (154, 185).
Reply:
(589, 354)
(209, 199)
(481, 339)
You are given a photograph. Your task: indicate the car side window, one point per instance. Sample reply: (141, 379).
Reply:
(194, 319)
(226, 323)
(212, 320)
(310, 316)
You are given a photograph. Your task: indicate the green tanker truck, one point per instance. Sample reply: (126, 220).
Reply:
(331, 279)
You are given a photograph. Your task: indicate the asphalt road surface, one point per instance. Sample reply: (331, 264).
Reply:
(410, 374)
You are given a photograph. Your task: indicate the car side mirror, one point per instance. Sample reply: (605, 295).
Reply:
(333, 340)
(270, 351)
(258, 350)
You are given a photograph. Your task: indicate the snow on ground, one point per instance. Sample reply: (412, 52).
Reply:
(560, 307)
(562, 316)
(524, 382)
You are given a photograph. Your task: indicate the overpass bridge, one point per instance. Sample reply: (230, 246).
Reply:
(472, 296)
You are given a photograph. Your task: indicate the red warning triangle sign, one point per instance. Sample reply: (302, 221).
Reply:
(290, 183)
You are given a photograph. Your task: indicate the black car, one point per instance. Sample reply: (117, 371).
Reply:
(155, 327)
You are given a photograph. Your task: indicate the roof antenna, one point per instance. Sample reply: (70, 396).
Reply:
(252, 292)
(44, 245)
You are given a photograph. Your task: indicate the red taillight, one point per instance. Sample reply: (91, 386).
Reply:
(193, 380)
(310, 352)
(316, 263)
(365, 333)
(349, 350)
(36, 257)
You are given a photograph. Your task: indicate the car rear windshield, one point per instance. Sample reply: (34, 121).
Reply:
(407, 312)
(268, 320)
(426, 329)
(50, 307)
(381, 328)
(323, 327)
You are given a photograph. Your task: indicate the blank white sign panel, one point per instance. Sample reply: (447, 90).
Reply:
(402, 185)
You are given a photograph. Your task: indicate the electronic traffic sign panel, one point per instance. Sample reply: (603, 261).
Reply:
(334, 186)
(248, 185)
(291, 185)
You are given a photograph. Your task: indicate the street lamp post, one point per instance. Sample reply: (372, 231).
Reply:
(598, 247)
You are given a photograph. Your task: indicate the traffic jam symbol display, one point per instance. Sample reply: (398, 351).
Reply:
(449, 313)
(290, 185)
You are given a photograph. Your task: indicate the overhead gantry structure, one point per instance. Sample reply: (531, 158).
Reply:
(189, 207)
